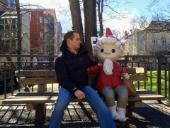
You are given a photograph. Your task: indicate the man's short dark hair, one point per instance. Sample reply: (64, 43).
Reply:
(69, 35)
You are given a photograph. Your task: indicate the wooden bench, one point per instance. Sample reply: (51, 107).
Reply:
(43, 77)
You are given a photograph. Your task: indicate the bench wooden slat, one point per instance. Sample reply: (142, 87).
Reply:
(35, 98)
(143, 91)
(37, 94)
(36, 73)
(40, 80)
(32, 100)
(138, 77)
(151, 97)
(131, 70)
(140, 70)
(29, 100)
(47, 73)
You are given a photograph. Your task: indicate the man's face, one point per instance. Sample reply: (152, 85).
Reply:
(75, 41)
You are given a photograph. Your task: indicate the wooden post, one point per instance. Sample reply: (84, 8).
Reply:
(42, 88)
(40, 114)
(159, 75)
(167, 102)
(40, 109)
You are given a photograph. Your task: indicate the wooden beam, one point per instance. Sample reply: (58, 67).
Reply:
(39, 81)
(131, 70)
(151, 97)
(138, 77)
(36, 73)
(29, 100)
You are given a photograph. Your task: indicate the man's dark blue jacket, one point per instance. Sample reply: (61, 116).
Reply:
(71, 69)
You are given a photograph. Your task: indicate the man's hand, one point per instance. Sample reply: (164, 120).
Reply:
(79, 94)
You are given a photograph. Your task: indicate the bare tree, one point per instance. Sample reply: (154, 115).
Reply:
(103, 5)
(90, 8)
(159, 16)
(100, 15)
(90, 22)
(142, 22)
(153, 3)
(76, 17)
(138, 23)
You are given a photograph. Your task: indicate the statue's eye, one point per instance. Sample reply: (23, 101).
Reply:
(113, 50)
(102, 50)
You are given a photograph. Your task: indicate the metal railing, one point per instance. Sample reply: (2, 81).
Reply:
(157, 70)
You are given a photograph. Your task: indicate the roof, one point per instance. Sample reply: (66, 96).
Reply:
(159, 26)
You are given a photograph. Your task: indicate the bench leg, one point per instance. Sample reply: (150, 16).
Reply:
(40, 114)
(129, 111)
(130, 106)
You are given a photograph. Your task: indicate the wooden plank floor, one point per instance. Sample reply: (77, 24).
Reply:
(82, 116)
(16, 115)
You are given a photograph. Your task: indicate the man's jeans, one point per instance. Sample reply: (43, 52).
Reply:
(104, 116)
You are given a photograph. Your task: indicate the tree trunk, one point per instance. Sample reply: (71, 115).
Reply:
(90, 22)
(100, 15)
(19, 26)
(76, 17)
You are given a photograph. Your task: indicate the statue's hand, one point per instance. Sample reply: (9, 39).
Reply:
(125, 76)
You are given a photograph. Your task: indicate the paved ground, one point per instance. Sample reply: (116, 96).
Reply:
(150, 115)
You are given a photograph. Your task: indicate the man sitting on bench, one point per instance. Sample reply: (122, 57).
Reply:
(71, 69)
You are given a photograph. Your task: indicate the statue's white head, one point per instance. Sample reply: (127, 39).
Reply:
(108, 47)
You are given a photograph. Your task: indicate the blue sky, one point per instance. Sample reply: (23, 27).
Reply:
(145, 7)
(128, 10)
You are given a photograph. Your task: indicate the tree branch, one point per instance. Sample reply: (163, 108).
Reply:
(111, 9)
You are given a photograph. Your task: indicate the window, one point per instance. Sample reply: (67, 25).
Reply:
(155, 45)
(7, 46)
(1, 27)
(154, 42)
(7, 27)
(13, 21)
(41, 20)
(164, 47)
(13, 42)
(41, 35)
(3, 46)
(13, 34)
(164, 41)
(9, 21)
(45, 21)
(13, 27)
(1, 21)
(7, 35)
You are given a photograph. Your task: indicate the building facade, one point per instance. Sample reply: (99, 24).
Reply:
(58, 39)
(37, 31)
(8, 33)
(45, 32)
(40, 32)
(150, 41)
